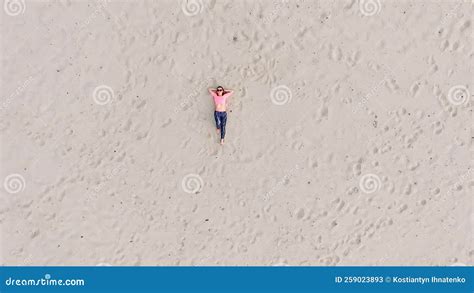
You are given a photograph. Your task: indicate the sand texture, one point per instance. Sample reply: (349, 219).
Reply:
(349, 137)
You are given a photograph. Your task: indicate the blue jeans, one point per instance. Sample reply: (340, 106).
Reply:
(221, 120)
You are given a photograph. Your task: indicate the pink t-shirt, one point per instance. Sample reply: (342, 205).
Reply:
(220, 99)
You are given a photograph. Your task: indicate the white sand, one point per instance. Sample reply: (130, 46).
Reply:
(365, 162)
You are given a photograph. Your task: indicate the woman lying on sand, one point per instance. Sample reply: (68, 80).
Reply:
(220, 115)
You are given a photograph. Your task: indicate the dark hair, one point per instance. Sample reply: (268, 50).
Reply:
(219, 87)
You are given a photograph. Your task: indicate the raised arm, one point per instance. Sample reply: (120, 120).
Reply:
(229, 93)
(212, 91)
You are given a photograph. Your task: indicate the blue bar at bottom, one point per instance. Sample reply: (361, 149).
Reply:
(237, 279)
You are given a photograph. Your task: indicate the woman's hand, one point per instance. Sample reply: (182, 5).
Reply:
(229, 92)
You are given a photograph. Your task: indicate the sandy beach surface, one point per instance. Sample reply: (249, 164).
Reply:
(349, 136)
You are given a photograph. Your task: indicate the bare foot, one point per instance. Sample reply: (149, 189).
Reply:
(222, 141)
